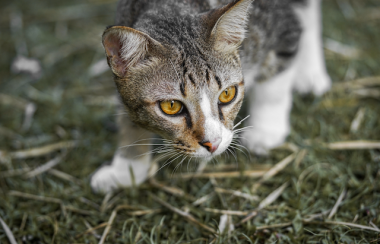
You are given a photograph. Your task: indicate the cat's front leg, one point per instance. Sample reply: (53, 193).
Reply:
(269, 108)
(312, 76)
(131, 162)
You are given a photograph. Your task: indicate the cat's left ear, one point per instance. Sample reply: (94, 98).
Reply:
(128, 48)
(226, 26)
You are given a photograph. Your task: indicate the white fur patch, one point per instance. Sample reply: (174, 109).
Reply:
(312, 75)
(215, 131)
(206, 106)
(269, 112)
(272, 100)
(118, 174)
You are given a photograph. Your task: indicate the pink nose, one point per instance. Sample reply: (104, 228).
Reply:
(211, 146)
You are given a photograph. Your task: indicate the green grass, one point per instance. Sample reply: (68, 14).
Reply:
(72, 105)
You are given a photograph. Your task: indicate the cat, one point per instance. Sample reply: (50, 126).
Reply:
(183, 67)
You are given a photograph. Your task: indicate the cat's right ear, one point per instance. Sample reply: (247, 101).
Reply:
(127, 48)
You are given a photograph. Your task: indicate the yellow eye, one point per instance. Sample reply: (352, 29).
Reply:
(227, 95)
(171, 107)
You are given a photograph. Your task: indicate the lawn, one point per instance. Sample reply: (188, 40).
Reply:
(57, 126)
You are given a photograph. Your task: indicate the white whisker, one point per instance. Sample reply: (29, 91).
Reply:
(239, 150)
(166, 154)
(241, 121)
(187, 167)
(242, 129)
(167, 163)
(233, 154)
(161, 151)
(239, 145)
(214, 159)
(180, 163)
(132, 145)
(240, 137)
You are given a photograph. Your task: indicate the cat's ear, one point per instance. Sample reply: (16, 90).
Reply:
(127, 48)
(226, 26)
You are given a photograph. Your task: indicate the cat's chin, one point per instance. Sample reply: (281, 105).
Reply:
(206, 155)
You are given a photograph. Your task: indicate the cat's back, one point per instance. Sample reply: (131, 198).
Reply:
(131, 11)
(263, 12)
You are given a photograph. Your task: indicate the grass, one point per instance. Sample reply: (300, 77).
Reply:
(314, 194)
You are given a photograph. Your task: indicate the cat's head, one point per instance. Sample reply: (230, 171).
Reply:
(181, 76)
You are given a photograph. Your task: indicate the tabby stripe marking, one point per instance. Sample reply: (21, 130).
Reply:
(191, 79)
(188, 121)
(182, 87)
(207, 76)
(219, 82)
(221, 116)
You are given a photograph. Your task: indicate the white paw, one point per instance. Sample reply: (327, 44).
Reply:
(118, 174)
(261, 141)
(104, 180)
(316, 82)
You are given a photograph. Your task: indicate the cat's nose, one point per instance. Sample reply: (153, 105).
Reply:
(211, 146)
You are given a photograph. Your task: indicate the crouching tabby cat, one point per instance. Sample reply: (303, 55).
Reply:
(182, 68)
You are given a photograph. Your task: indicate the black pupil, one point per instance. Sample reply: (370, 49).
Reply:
(172, 103)
(226, 92)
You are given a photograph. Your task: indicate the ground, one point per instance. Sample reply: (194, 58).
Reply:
(321, 187)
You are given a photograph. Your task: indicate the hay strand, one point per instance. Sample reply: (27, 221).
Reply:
(267, 201)
(108, 227)
(219, 175)
(41, 151)
(237, 194)
(335, 208)
(354, 145)
(185, 215)
(172, 190)
(226, 212)
(274, 171)
(45, 167)
(8, 232)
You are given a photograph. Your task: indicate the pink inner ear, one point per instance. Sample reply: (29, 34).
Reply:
(113, 45)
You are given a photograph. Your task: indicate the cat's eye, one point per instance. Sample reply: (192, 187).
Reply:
(171, 107)
(227, 95)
